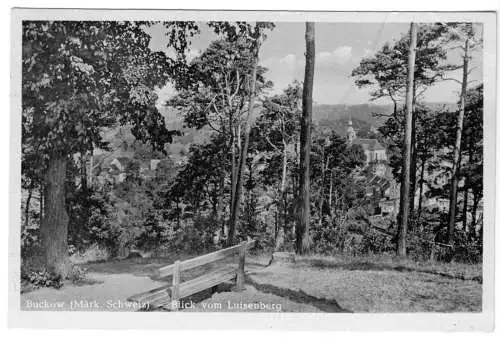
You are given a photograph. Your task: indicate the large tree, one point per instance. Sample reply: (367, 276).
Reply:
(404, 202)
(78, 78)
(275, 132)
(386, 73)
(303, 240)
(224, 83)
(465, 35)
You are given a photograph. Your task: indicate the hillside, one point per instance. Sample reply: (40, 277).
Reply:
(325, 116)
(360, 112)
(364, 113)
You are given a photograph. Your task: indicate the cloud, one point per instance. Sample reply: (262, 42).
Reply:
(340, 56)
(287, 63)
(367, 52)
(191, 53)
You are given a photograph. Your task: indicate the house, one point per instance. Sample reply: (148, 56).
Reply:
(389, 206)
(373, 150)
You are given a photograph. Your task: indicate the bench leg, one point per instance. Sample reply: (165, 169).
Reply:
(240, 274)
(176, 279)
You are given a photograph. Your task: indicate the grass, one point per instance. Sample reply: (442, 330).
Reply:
(378, 284)
(382, 262)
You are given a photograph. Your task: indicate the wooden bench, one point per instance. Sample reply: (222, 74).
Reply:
(169, 296)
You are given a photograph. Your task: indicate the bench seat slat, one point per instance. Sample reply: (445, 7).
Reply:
(161, 296)
(206, 281)
(149, 296)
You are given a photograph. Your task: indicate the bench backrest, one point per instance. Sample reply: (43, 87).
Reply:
(205, 259)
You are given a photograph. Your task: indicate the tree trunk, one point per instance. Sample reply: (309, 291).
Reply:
(42, 201)
(244, 150)
(475, 206)
(233, 165)
(322, 191)
(220, 202)
(413, 161)
(283, 188)
(404, 203)
(421, 187)
(54, 226)
(27, 207)
(91, 168)
(330, 208)
(456, 152)
(303, 241)
(464, 210)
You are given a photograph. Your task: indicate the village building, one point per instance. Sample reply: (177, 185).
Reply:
(373, 150)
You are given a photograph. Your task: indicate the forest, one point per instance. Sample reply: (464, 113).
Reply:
(109, 171)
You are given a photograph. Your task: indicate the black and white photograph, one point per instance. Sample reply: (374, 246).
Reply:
(172, 162)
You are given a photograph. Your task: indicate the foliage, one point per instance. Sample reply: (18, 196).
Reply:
(79, 77)
(42, 278)
(386, 70)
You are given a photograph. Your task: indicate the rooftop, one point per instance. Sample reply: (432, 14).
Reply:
(370, 144)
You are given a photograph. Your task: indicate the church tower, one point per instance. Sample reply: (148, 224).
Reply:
(351, 134)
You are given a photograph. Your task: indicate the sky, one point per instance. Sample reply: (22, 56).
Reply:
(339, 49)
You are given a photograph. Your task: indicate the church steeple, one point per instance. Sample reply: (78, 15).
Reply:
(351, 134)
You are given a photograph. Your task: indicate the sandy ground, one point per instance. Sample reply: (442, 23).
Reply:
(250, 300)
(103, 292)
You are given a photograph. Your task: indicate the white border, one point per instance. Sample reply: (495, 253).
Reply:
(362, 322)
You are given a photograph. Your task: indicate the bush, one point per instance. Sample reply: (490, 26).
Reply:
(467, 249)
(94, 253)
(377, 243)
(77, 274)
(42, 278)
(332, 237)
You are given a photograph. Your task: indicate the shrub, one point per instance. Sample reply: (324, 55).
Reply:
(94, 253)
(77, 274)
(375, 242)
(467, 249)
(42, 278)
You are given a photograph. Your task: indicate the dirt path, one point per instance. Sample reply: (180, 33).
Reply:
(102, 292)
(108, 285)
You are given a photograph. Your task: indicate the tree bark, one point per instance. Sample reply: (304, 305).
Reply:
(404, 203)
(54, 226)
(283, 187)
(475, 206)
(414, 159)
(27, 208)
(233, 165)
(421, 187)
(220, 202)
(42, 201)
(303, 241)
(456, 153)
(464, 210)
(330, 190)
(244, 150)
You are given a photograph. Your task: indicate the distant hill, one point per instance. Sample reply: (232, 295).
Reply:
(339, 126)
(325, 117)
(365, 112)
(360, 112)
